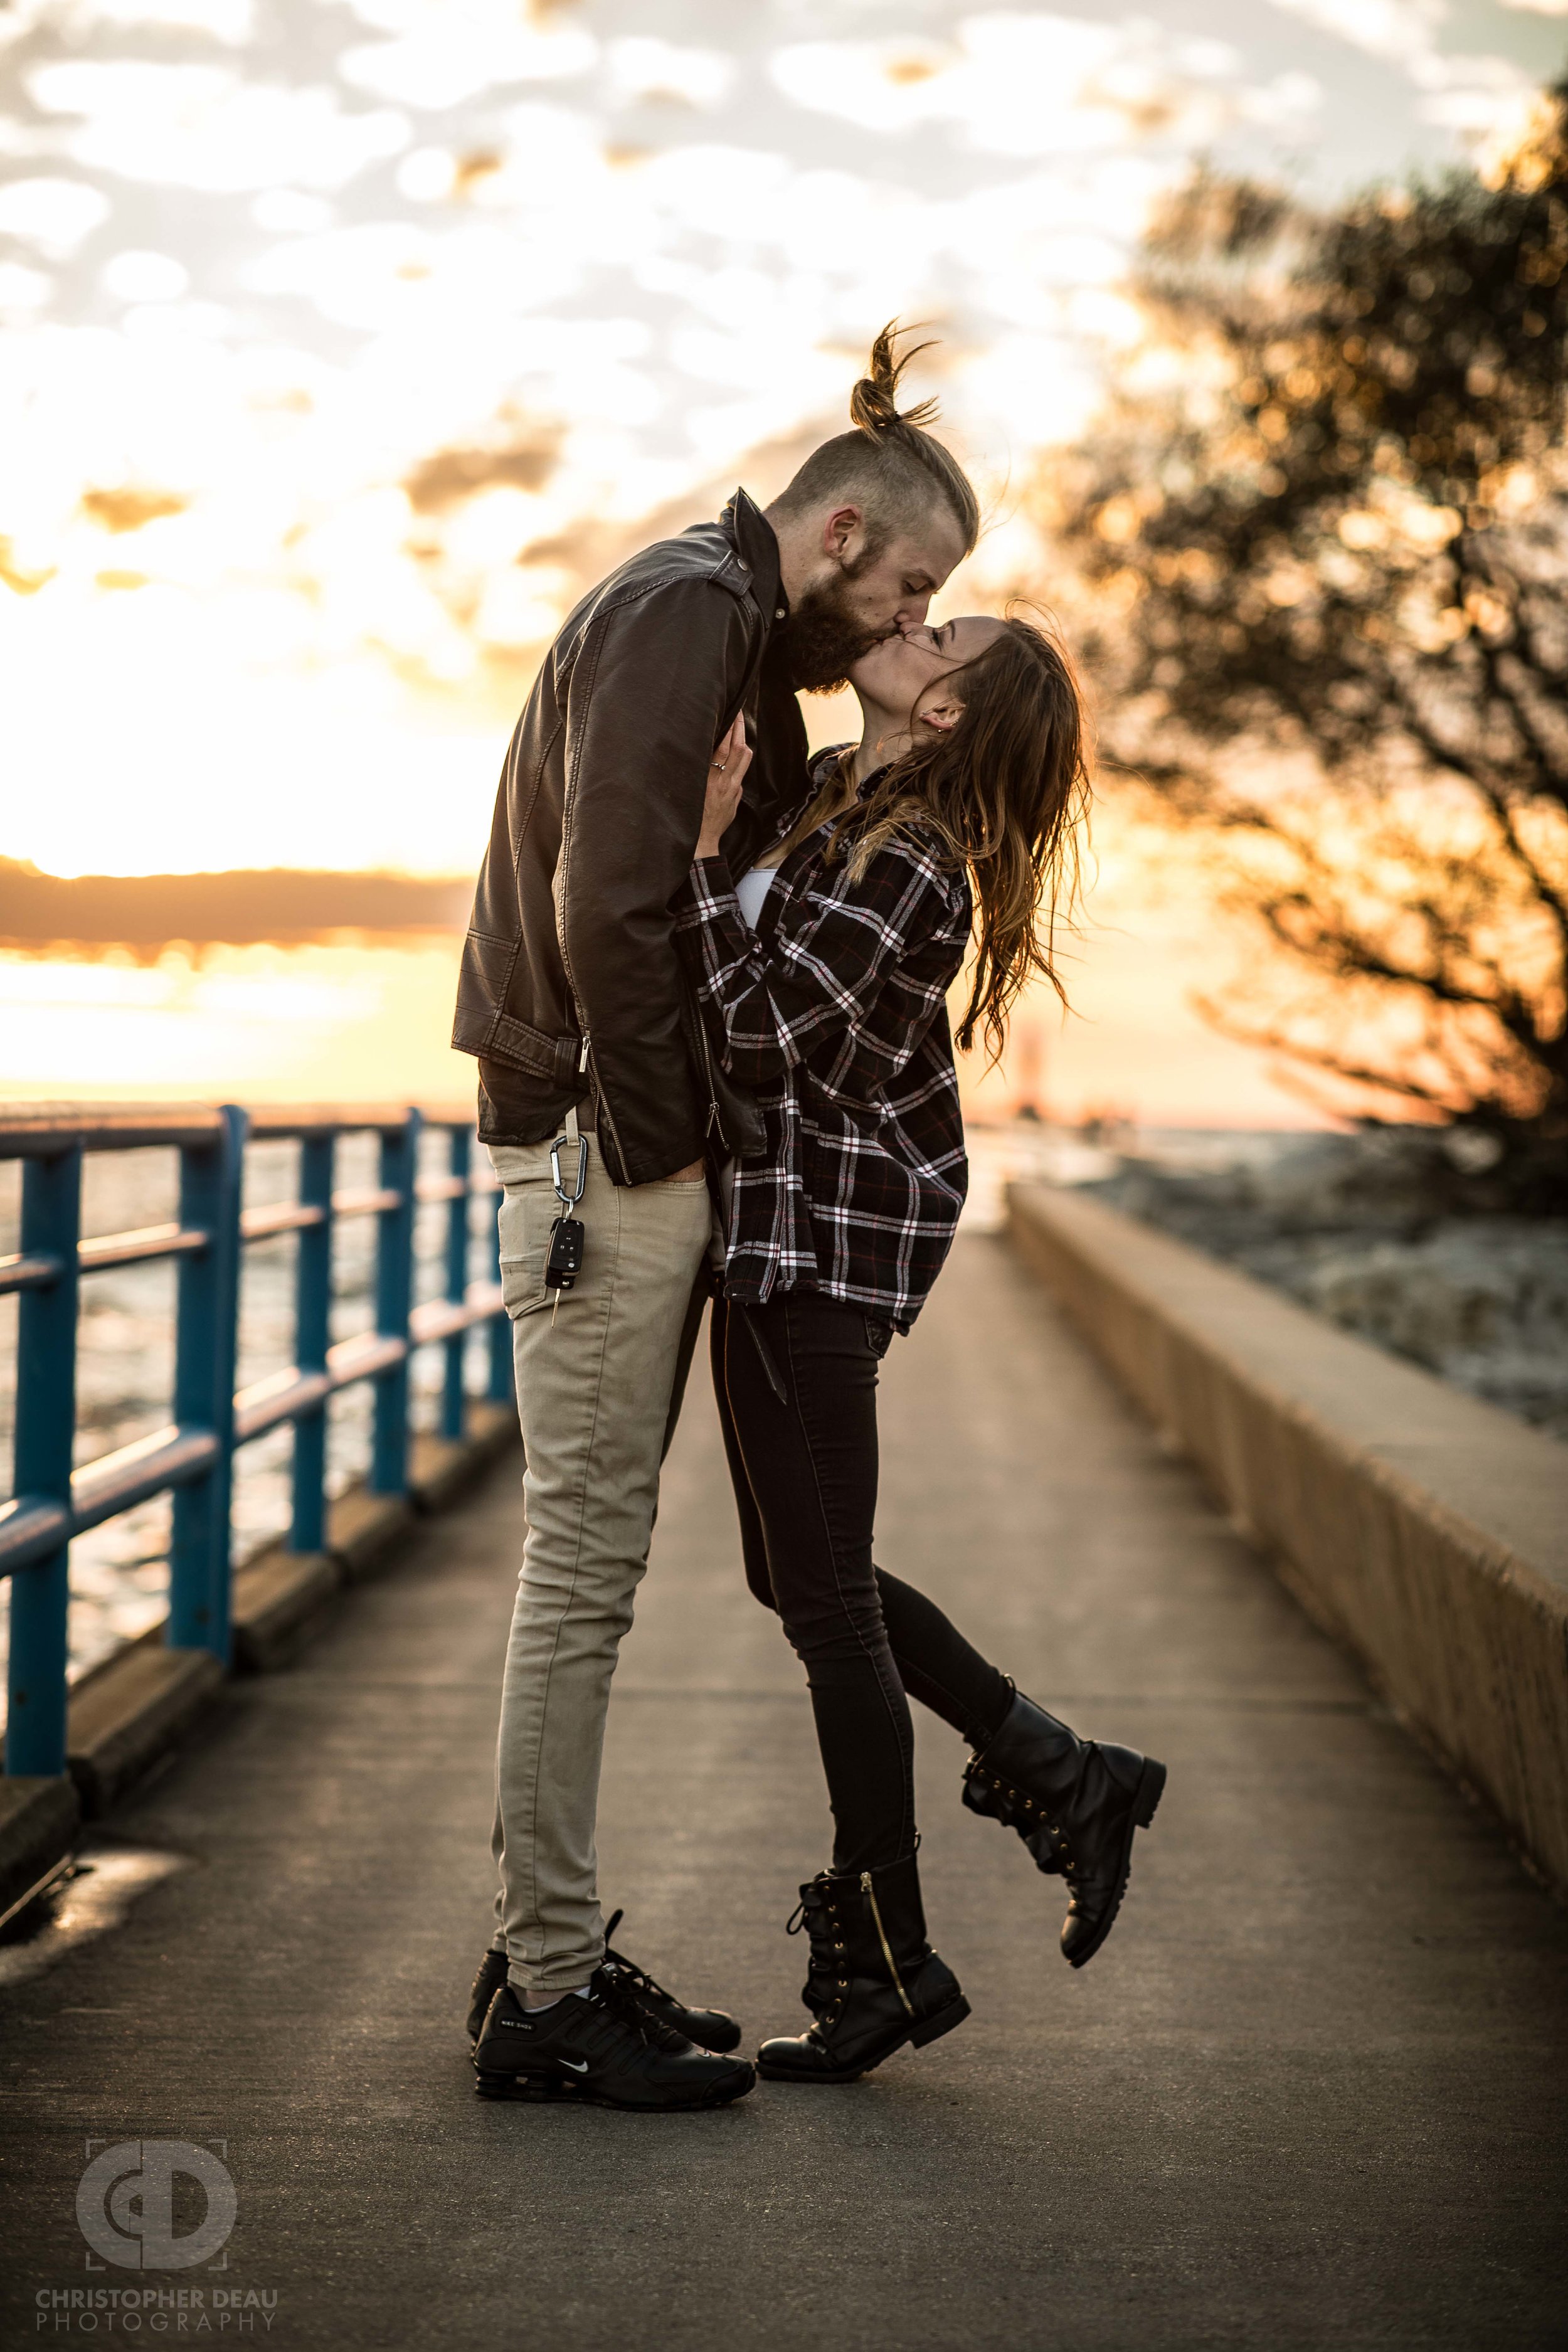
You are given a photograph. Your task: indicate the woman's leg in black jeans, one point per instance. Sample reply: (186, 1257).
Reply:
(809, 1462)
(1040, 1774)
(939, 1667)
(934, 1662)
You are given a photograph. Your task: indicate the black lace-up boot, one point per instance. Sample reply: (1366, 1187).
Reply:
(1075, 1803)
(710, 2029)
(873, 1982)
(603, 2047)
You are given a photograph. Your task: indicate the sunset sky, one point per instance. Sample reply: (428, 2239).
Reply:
(341, 342)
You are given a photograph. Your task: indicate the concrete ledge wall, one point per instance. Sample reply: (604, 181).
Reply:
(1427, 1531)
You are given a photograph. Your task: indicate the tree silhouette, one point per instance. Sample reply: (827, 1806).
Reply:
(1325, 549)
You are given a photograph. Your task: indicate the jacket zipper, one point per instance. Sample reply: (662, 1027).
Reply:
(603, 1103)
(715, 1125)
(610, 1116)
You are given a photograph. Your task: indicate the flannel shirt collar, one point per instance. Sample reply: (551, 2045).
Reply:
(818, 774)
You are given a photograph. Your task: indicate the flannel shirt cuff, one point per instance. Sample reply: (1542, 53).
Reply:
(711, 887)
(716, 934)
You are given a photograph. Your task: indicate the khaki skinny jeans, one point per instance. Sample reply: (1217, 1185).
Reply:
(594, 1381)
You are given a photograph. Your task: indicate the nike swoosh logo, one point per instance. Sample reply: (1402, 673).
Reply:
(578, 2065)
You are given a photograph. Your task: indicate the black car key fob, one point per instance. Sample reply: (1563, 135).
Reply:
(564, 1262)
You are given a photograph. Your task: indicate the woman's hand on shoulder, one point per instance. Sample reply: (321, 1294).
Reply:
(726, 774)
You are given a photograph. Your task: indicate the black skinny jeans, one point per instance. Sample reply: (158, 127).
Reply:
(805, 1473)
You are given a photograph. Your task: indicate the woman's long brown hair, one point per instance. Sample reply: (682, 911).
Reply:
(1006, 792)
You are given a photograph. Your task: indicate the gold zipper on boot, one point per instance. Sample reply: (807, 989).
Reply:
(871, 1894)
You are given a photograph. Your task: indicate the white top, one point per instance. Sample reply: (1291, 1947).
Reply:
(752, 890)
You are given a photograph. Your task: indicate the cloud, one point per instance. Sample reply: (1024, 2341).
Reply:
(23, 290)
(130, 509)
(449, 476)
(205, 127)
(232, 21)
(1400, 30)
(396, 275)
(454, 51)
(139, 277)
(284, 211)
(19, 18)
(1013, 81)
(644, 71)
(1478, 96)
(54, 215)
(1036, 84)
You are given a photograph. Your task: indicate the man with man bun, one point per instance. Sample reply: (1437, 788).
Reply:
(597, 1078)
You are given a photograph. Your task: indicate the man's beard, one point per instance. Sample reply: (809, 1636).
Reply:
(822, 640)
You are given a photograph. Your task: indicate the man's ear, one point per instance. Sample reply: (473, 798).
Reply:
(839, 529)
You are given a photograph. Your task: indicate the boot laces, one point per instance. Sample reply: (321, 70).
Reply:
(1047, 1838)
(824, 1964)
(810, 1914)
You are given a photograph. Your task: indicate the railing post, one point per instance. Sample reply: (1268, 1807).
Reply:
(503, 1372)
(205, 1343)
(46, 1435)
(457, 1217)
(394, 1299)
(312, 1336)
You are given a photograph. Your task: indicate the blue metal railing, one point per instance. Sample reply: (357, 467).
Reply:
(192, 1457)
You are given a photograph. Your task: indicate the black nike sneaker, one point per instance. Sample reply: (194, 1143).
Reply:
(710, 2029)
(603, 2049)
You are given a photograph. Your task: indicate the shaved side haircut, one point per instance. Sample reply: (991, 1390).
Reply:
(890, 467)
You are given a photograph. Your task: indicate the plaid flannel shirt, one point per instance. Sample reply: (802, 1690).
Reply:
(834, 1012)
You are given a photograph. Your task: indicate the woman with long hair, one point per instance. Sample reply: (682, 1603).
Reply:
(824, 972)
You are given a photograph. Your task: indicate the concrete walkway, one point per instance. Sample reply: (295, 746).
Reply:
(1311, 2094)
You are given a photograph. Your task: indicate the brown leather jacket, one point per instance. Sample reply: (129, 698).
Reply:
(572, 989)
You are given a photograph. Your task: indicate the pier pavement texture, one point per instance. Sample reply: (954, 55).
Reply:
(1311, 2094)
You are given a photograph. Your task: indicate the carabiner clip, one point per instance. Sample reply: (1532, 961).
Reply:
(569, 1200)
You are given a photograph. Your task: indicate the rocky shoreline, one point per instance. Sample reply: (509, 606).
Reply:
(1373, 1230)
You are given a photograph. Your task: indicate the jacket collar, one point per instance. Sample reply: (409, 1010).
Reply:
(758, 548)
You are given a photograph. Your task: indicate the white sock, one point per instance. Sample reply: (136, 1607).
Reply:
(535, 2007)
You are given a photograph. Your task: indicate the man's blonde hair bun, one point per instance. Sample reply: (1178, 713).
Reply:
(889, 463)
(874, 402)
